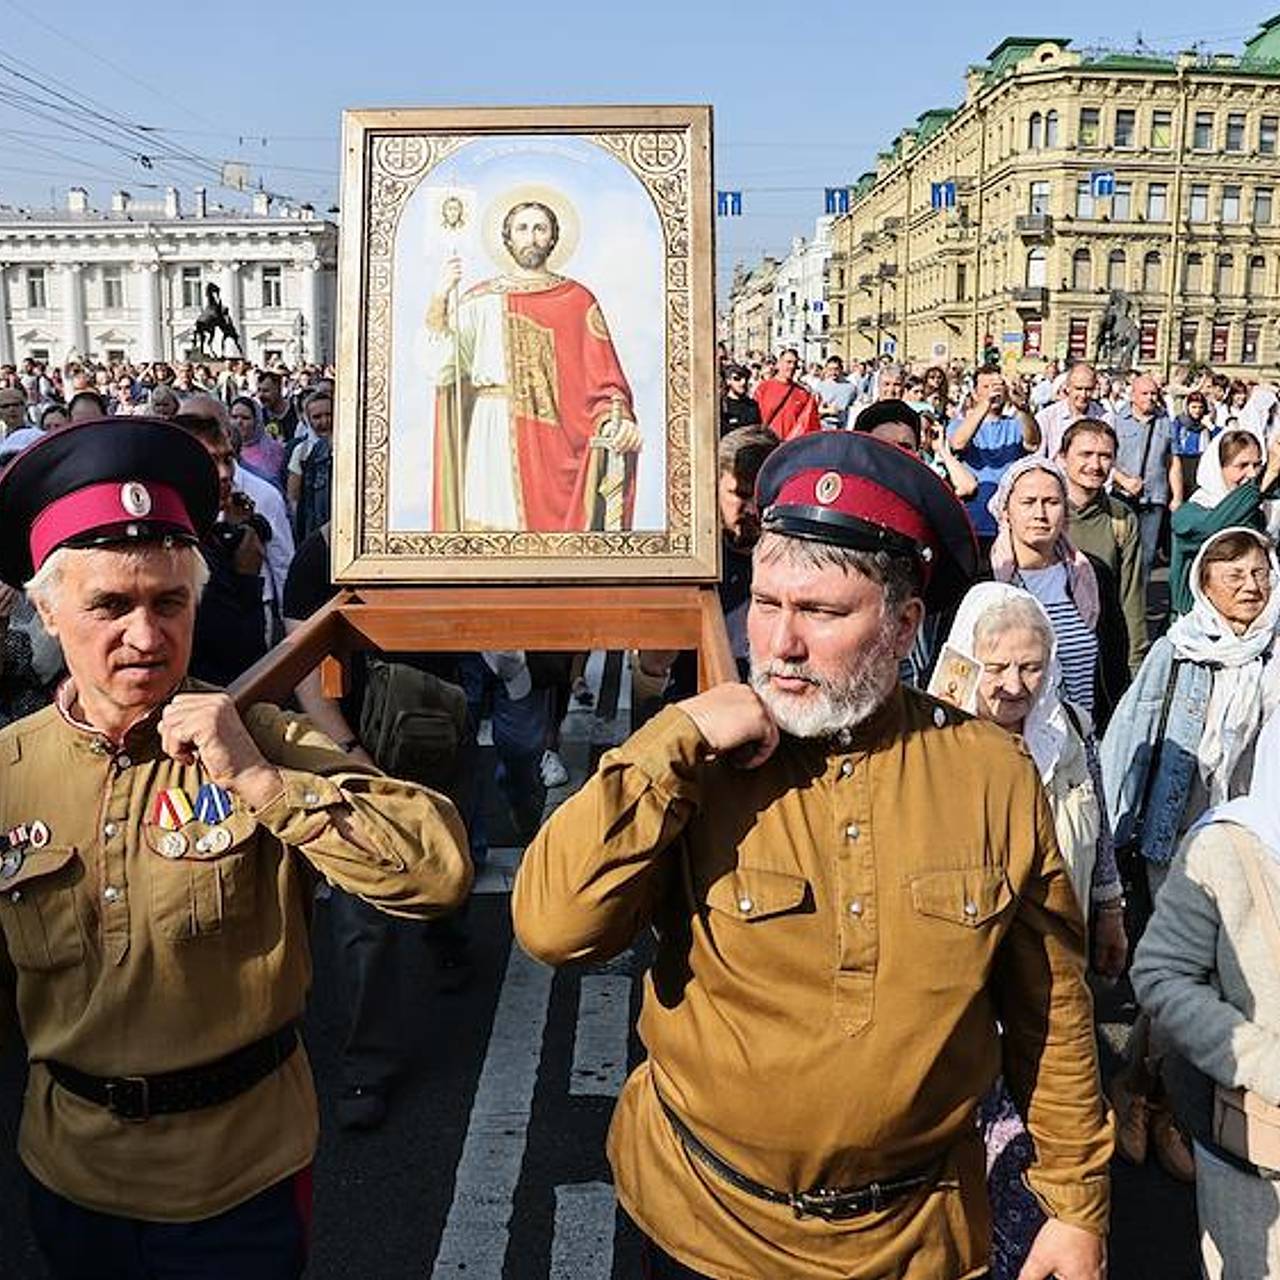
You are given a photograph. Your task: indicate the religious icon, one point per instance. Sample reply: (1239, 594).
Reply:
(955, 678)
(529, 295)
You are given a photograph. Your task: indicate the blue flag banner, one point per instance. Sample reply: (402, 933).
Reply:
(729, 204)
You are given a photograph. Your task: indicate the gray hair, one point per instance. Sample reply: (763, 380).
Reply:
(1006, 615)
(44, 586)
(900, 576)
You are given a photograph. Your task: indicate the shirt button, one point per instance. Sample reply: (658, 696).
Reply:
(123, 762)
(852, 831)
(310, 798)
(745, 905)
(110, 830)
(847, 768)
(112, 894)
(939, 717)
(16, 896)
(855, 908)
(971, 909)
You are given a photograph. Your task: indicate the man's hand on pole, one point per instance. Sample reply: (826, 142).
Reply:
(735, 723)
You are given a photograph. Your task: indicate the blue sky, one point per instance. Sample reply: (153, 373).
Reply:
(804, 94)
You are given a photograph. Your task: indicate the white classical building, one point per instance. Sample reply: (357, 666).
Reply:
(128, 283)
(800, 318)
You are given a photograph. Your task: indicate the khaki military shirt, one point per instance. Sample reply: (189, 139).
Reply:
(838, 932)
(129, 962)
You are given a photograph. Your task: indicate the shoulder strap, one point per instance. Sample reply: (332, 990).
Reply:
(1258, 889)
(1153, 764)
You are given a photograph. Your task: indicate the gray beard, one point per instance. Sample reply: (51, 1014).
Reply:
(837, 704)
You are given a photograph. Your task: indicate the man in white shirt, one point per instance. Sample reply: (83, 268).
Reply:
(1078, 400)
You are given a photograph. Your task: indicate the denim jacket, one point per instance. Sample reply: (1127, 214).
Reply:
(1130, 747)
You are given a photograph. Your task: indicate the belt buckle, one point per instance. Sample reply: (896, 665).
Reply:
(135, 1108)
(834, 1205)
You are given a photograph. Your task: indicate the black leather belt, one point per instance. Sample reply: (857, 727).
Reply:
(140, 1097)
(832, 1203)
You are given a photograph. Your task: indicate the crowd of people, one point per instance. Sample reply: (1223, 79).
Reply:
(1120, 635)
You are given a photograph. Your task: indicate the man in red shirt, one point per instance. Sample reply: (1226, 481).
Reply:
(786, 408)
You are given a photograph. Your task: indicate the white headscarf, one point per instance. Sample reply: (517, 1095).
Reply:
(1259, 411)
(1239, 697)
(1046, 728)
(1211, 485)
(1258, 809)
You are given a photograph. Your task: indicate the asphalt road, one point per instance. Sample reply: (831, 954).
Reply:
(491, 1165)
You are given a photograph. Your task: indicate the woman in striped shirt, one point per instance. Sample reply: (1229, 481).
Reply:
(1078, 592)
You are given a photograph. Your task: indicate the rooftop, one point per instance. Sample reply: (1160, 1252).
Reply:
(171, 207)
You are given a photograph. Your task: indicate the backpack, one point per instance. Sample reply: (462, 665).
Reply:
(413, 723)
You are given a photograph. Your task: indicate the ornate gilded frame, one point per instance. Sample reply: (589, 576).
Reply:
(386, 154)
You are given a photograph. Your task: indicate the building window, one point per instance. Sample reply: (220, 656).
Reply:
(1084, 199)
(839, 315)
(37, 299)
(1193, 276)
(1268, 127)
(1199, 204)
(1235, 131)
(1035, 131)
(1249, 347)
(1152, 275)
(962, 282)
(1157, 202)
(1231, 204)
(1081, 269)
(1161, 130)
(1257, 281)
(1219, 342)
(1202, 131)
(1051, 129)
(1078, 337)
(1225, 275)
(1039, 197)
(1188, 331)
(1148, 336)
(1115, 269)
(1036, 269)
(1122, 202)
(1031, 335)
(1126, 127)
(1090, 126)
(1262, 207)
(191, 288)
(112, 289)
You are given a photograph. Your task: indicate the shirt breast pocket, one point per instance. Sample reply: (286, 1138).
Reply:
(752, 894)
(38, 910)
(960, 917)
(212, 887)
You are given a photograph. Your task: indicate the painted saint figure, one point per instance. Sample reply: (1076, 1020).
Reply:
(530, 393)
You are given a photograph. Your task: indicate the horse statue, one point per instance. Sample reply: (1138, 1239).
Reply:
(215, 318)
(1118, 336)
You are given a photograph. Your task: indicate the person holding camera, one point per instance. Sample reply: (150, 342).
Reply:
(231, 622)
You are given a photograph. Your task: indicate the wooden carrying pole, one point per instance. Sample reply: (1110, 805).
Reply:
(466, 619)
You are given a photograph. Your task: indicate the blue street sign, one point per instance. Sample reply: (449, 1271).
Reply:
(1102, 182)
(837, 199)
(818, 304)
(729, 204)
(942, 195)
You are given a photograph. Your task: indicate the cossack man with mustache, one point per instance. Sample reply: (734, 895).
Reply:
(862, 919)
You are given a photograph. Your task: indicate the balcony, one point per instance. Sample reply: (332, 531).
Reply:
(891, 225)
(864, 322)
(888, 270)
(866, 280)
(1033, 226)
(1030, 298)
(888, 318)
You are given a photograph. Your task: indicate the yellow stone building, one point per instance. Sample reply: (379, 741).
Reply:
(1007, 222)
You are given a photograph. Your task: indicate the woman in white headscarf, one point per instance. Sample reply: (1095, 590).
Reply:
(1000, 662)
(1231, 486)
(1208, 972)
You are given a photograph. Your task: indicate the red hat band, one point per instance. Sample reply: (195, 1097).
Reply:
(106, 506)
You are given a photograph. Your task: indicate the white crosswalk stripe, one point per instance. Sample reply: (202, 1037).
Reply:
(600, 1045)
(582, 1248)
(477, 1230)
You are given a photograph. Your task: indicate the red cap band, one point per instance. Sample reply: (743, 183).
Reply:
(859, 497)
(106, 507)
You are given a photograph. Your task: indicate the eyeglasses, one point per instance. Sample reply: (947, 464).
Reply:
(1237, 578)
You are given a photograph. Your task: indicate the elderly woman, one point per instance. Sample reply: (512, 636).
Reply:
(1208, 971)
(1229, 495)
(260, 452)
(1009, 640)
(1180, 742)
(1078, 592)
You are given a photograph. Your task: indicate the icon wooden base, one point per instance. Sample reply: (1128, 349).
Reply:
(429, 619)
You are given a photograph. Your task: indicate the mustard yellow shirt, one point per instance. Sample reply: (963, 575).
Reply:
(838, 932)
(127, 962)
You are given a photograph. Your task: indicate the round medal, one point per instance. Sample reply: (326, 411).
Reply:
(11, 864)
(218, 840)
(173, 844)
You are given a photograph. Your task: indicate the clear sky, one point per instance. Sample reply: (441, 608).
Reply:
(804, 93)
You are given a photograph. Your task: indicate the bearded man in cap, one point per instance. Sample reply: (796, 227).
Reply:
(158, 851)
(862, 919)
